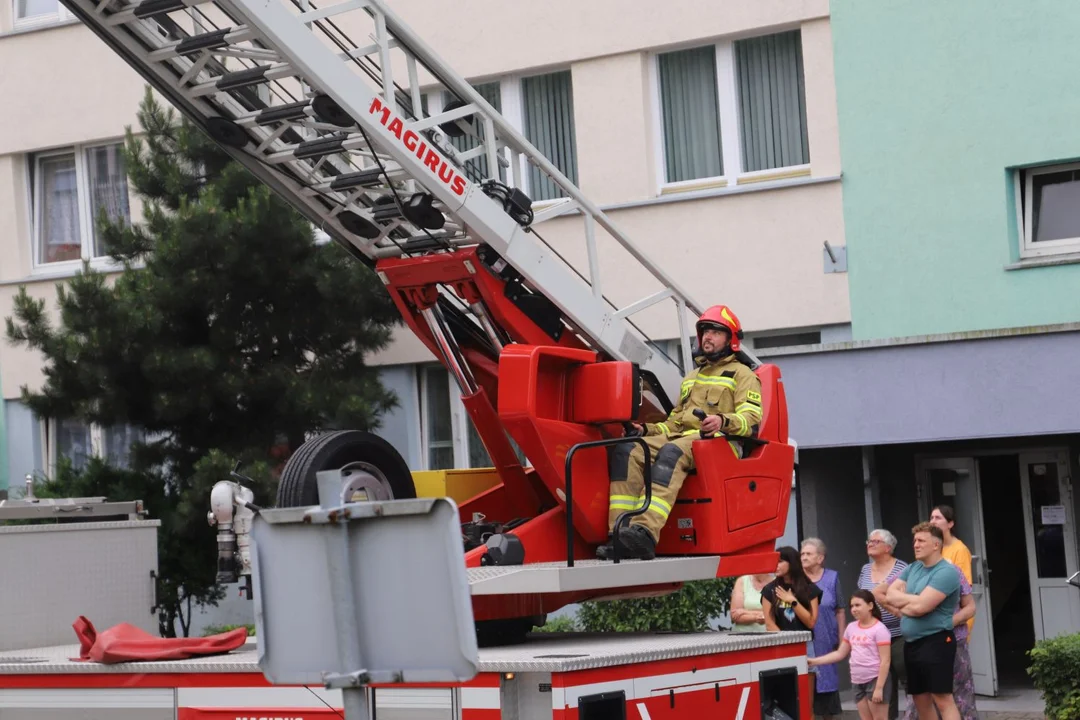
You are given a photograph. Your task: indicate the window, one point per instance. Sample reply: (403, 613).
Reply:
(1050, 207)
(691, 110)
(437, 420)
(729, 110)
(548, 102)
(39, 12)
(541, 107)
(73, 441)
(772, 101)
(448, 437)
(477, 167)
(70, 190)
(811, 337)
(78, 442)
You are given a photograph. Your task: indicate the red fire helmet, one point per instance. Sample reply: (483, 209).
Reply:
(722, 318)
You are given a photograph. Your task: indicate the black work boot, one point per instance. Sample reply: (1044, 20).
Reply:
(637, 543)
(607, 550)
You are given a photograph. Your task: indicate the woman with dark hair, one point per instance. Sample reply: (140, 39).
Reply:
(953, 548)
(790, 602)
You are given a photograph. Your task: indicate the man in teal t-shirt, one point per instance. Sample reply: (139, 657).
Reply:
(926, 593)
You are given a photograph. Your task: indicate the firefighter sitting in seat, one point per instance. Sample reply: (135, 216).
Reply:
(727, 391)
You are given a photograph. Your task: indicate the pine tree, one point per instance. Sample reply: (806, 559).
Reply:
(228, 334)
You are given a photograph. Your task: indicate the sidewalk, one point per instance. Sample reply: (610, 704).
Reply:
(1010, 704)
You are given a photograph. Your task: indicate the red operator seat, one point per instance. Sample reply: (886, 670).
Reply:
(732, 505)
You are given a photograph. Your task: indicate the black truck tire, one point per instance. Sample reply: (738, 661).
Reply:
(333, 450)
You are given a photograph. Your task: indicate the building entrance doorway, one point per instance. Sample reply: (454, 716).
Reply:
(1006, 555)
(956, 482)
(1014, 511)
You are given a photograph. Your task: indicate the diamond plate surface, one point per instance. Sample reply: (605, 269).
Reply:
(59, 660)
(556, 577)
(544, 653)
(582, 652)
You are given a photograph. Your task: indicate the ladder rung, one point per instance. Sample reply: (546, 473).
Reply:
(152, 8)
(149, 9)
(356, 179)
(320, 147)
(285, 45)
(205, 41)
(282, 113)
(382, 213)
(242, 78)
(423, 244)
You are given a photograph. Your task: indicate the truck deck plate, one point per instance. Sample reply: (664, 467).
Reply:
(542, 652)
(556, 577)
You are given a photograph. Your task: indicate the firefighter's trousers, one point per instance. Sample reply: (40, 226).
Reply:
(671, 459)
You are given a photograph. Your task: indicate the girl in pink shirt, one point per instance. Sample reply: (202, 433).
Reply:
(867, 641)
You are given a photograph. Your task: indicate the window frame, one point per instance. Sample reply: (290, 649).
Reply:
(86, 218)
(727, 100)
(459, 420)
(62, 15)
(1025, 204)
(422, 370)
(48, 428)
(512, 101)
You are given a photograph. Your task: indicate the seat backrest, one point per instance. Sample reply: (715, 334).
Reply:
(774, 419)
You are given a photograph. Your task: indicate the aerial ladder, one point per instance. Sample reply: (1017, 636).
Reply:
(550, 366)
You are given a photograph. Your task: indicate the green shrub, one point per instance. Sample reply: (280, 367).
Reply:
(689, 609)
(1055, 666)
(216, 629)
(563, 623)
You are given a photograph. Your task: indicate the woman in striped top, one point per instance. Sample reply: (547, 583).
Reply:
(884, 568)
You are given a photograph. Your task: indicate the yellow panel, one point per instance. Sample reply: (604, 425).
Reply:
(458, 485)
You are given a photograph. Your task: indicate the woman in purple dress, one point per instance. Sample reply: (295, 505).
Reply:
(831, 621)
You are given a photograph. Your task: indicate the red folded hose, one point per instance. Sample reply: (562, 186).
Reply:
(127, 643)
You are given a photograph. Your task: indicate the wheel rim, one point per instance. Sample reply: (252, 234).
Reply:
(363, 482)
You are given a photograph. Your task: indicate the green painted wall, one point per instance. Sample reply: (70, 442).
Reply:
(937, 101)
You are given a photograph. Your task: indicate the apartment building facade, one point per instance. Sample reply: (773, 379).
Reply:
(708, 134)
(959, 386)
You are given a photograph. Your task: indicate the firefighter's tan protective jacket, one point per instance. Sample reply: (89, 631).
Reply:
(726, 388)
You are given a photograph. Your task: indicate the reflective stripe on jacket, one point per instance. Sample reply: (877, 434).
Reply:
(726, 388)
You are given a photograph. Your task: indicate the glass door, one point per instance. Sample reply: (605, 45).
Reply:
(955, 482)
(1050, 532)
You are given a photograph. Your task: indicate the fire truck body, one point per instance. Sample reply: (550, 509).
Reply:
(547, 360)
(736, 676)
(545, 357)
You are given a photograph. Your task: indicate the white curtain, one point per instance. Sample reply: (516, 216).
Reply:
(60, 235)
(691, 114)
(772, 101)
(549, 125)
(108, 188)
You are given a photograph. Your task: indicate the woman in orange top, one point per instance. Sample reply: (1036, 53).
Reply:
(954, 550)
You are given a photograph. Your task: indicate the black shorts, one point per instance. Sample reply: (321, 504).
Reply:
(929, 664)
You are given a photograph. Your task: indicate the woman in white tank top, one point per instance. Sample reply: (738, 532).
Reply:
(746, 613)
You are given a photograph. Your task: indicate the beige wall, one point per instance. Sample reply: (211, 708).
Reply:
(760, 251)
(500, 36)
(79, 90)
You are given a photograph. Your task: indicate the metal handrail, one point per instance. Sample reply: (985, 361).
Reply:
(607, 442)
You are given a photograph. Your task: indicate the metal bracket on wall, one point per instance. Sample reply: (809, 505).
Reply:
(835, 258)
